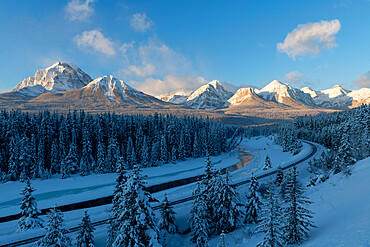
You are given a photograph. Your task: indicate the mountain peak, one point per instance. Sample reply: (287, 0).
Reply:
(57, 78)
(209, 96)
(110, 86)
(274, 86)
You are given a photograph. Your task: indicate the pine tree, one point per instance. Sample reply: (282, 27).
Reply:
(55, 159)
(253, 206)
(199, 220)
(29, 218)
(167, 220)
(70, 163)
(117, 200)
(181, 149)
(345, 152)
(33, 157)
(136, 222)
(174, 155)
(164, 150)
(209, 171)
(112, 154)
(227, 209)
(85, 237)
(279, 176)
(267, 163)
(55, 231)
(270, 223)
(87, 160)
(24, 158)
(222, 242)
(145, 159)
(196, 151)
(298, 218)
(100, 155)
(13, 169)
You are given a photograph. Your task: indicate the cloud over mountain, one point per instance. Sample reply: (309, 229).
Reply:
(310, 38)
(363, 80)
(95, 40)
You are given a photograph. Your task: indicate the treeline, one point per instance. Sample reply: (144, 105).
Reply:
(43, 144)
(346, 134)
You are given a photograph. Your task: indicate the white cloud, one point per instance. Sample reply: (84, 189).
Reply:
(95, 39)
(142, 71)
(127, 46)
(310, 38)
(294, 77)
(170, 83)
(140, 22)
(152, 58)
(77, 10)
(363, 80)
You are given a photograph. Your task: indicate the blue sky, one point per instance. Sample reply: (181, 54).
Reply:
(160, 46)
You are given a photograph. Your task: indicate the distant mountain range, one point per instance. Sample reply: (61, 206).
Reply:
(214, 96)
(64, 86)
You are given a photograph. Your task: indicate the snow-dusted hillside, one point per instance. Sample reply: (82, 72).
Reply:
(342, 212)
(56, 78)
(210, 96)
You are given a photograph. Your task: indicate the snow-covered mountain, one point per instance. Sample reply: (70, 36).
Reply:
(210, 96)
(339, 98)
(57, 78)
(283, 93)
(178, 97)
(115, 90)
(243, 95)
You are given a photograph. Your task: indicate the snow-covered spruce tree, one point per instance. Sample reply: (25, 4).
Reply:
(279, 176)
(121, 180)
(226, 207)
(199, 217)
(344, 156)
(14, 159)
(196, 151)
(55, 158)
(167, 220)
(253, 205)
(87, 161)
(136, 222)
(29, 218)
(164, 151)
(209, 189)
(145, 159)
(55, 231)
(24, 158)
(173, 155)
(222, 242)
(267, 163)
(85, 237)
(112, 153)
(70, 163)
(100, 156)
(271, 222)
(297, 217)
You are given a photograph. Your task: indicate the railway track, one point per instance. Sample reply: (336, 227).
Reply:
(186, 199)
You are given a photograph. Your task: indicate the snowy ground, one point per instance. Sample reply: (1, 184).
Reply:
(342, 212)
(78, 188)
